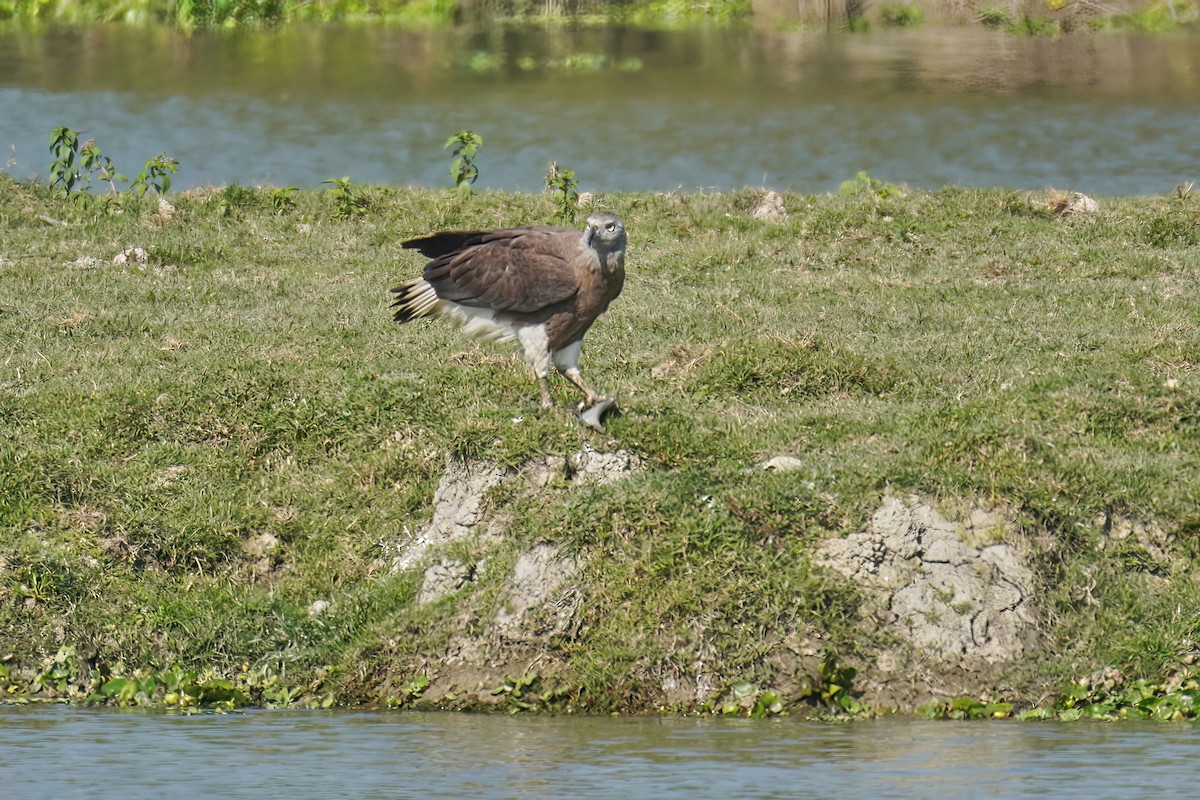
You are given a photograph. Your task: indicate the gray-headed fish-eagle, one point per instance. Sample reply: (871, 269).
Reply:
(541, 285)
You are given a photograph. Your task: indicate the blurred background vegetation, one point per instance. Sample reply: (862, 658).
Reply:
(1021, 16)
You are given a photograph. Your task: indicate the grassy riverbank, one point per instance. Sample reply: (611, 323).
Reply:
(215, 446)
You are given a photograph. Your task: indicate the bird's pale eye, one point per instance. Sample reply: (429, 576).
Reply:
(610, 227)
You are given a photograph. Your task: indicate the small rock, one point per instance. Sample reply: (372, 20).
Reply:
(318, 607)
(165, 212)
(782, 463)
(1076, 203)
(261, 546)
(544, 471)
(135, 254)
(86, 262)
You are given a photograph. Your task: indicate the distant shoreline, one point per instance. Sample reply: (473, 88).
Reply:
(1024, 18)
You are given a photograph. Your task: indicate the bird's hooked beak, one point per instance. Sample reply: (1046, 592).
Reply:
(588, 235)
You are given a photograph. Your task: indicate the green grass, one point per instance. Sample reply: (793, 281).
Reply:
(247, 382)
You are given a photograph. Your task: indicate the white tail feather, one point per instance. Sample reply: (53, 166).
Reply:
(417, 298)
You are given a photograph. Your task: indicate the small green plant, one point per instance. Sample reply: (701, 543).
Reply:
(409, 692)
(282, 200)
(862, 183)
(563, 185)
(583, 62)
(837, 687)
(234, 199)
(466, 145)
(191, 14)
(482, 62)
(858, 24)
(1031, 26)
(519, 693)
(348, 200)
(77, 163)
(59, 673)
(34, 587)
(996, 17)
(1159, 17)
(155, 175)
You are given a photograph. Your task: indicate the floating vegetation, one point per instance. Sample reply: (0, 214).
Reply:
(748, 700)
(1105, 695)
(65, 677)
(585, 62)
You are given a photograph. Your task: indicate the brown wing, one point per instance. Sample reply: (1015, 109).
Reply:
(515, 269)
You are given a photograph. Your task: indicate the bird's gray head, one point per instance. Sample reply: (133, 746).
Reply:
(605, 233)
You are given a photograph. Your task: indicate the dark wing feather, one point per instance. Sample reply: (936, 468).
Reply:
(439, 244)
(522, 270)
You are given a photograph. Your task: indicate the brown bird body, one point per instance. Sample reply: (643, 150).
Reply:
(541, 285)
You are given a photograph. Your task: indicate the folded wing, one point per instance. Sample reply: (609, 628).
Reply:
(517, 270)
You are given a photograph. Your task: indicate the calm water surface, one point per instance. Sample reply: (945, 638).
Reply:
(634, 110)
(65, 753)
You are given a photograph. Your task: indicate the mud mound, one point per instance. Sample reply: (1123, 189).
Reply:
(457, 509)
(952, 592)
(940, 584)
(500, 636)
(534, 587)
(460, 508)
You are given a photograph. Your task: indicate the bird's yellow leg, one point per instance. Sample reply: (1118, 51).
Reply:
(544, 388)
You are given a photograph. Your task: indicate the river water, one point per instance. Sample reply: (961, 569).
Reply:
(626, 109)
(63, 753)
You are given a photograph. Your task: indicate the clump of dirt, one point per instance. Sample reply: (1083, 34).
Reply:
(957, 597)
(770, 208)
(262, 551)
(1074, 203)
